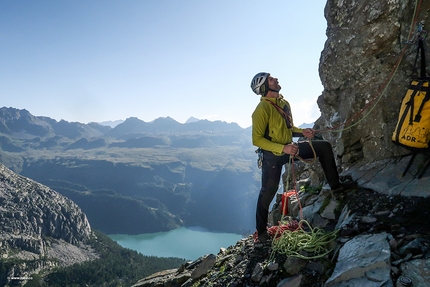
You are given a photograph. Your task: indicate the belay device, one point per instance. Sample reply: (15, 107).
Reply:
(413, 125)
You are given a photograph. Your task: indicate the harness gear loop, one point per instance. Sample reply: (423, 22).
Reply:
(259, 153)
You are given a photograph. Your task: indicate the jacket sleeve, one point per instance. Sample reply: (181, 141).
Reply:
(260, 121)
(297, 132)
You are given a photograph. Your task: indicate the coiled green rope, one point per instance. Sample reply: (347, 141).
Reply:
(314, 241)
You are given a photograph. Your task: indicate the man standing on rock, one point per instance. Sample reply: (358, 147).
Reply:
(273, 131)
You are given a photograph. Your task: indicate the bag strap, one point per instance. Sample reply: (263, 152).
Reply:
(408, 109)
(425, 99)
(422, 54)
(411, 102)
(288, 119)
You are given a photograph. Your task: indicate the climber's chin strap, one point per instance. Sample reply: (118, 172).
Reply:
(272, 90)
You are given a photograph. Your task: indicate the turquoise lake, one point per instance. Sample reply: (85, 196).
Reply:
(186, 242)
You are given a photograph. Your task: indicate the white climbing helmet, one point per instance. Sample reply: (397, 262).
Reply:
(259, 84)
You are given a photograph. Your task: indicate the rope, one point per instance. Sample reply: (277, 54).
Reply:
(292, 240)
(382, 88)
(287, 117)
(275, 231)
(294, 190)
(295, 242)
(311, 160)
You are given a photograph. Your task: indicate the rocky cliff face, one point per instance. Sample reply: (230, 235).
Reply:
(365, 74)
(40, 226)
(381, 240)
(366, 67)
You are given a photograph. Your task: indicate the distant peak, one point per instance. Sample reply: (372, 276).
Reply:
(306, 125)
(132, 119)
(192, 120)
(164, 119)
(112, 124)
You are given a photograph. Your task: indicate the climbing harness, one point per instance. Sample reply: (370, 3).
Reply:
(259, 153)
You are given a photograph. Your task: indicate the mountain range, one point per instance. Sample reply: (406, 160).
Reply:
(139, 177)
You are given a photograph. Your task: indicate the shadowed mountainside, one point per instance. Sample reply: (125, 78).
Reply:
(46, 240)
(139, 177)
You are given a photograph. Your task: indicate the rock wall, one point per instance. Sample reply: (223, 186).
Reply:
(362, 87)
(32, 210)
(39, 228)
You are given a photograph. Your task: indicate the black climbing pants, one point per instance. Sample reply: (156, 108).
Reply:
(271, 174)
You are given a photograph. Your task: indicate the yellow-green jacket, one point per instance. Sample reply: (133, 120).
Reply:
(266, 116)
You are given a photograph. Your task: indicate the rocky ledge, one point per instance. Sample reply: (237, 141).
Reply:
(381, 239)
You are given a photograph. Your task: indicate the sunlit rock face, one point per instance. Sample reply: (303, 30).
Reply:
(365, 68)
(38, 224)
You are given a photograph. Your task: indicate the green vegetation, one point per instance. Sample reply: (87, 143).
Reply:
(311, 189)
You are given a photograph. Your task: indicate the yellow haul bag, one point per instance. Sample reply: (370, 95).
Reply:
(413, 125)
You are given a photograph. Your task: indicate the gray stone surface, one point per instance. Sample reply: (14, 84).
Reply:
(40, 225)
(363, 261)
(418, 271)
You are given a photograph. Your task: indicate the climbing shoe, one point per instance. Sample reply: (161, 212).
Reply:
(345, 186)
(345, 178)
(264, 238)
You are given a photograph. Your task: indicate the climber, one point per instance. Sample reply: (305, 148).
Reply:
(273, 131)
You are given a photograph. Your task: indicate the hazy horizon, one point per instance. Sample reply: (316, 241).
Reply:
(95, 61)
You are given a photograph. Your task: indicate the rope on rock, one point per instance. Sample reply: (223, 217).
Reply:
(277, 230)
(372, 103)
(299, 241)
(292, 239)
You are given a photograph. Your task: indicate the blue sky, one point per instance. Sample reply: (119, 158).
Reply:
(93, 61)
